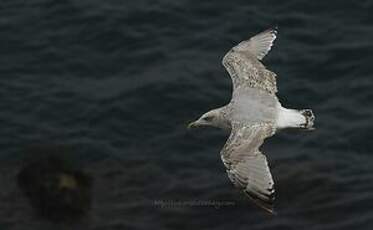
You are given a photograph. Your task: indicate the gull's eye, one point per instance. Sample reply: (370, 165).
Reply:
(209, 118)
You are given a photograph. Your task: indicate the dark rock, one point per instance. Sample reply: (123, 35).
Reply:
(55, 187)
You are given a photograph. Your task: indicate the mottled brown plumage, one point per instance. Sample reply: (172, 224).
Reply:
(253, 114)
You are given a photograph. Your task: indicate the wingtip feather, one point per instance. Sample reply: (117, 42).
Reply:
(265, 205)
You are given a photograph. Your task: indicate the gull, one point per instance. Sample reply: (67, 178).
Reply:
(253, 114)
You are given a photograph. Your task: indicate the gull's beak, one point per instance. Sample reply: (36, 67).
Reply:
(191, 125)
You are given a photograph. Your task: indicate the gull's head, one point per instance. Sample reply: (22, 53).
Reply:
(206, 119)
(213, 118)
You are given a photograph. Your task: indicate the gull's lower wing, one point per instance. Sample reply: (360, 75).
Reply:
(246, 166)
(243, 65)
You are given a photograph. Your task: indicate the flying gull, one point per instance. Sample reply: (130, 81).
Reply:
(253, 114)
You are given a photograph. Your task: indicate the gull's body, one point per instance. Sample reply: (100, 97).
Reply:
(253, 114)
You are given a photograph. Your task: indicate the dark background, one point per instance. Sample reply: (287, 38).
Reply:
(117, 81)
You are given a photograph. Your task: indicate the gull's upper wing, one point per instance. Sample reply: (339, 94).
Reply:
(246, 166)
(260, 44)
(242, 63)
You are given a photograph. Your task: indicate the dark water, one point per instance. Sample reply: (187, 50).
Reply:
(119, 81)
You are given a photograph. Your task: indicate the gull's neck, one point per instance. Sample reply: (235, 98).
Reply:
(223, 120)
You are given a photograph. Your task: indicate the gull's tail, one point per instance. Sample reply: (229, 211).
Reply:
(293, 118)
(309, 117)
